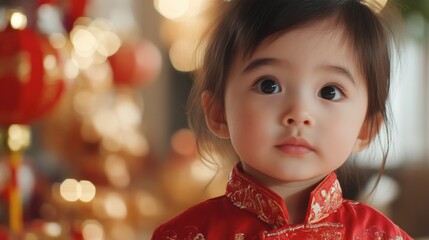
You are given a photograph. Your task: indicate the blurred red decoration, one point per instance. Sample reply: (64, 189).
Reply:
(4, 234)
(41, 2)
(30, 76)
(136, 64)
(73, 9)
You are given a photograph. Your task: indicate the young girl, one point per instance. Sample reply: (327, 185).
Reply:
(290, 88)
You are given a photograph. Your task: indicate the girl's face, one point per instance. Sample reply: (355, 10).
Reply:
(295, 109)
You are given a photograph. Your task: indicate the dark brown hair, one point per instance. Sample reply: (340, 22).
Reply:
(240, 26)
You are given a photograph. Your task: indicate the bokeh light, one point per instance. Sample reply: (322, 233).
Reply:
(183, 142)
(376, 5)
(52, 229)
(58, 40)
(71, 190)
(114, 206)
(181, 57)
(116, 171)
(172, 9)
(202, 172)
(92, 42)
(92, 230)
(19, 137)
(18, 20)
(87, 191)
(147, 204)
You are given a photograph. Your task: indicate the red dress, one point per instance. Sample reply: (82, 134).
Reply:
(249, 210)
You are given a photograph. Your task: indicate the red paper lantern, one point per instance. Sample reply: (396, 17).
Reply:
(136, 64)
(30, 76)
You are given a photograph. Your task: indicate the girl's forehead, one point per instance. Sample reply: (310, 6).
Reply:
(328, 26)
(311, 33)
(315, 44)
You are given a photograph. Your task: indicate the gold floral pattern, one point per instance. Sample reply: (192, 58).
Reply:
(239, 236)
(190, 233)
(269, 207)
(325, 200)
(247, 195)
(321, 231)
(376, 233)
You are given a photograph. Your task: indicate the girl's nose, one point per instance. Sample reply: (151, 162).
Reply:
(297, 113)
(298, 121)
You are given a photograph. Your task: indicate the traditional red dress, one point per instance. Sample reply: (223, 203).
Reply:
(249, 210)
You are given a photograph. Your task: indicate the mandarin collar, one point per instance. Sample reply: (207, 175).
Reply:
(269, 207)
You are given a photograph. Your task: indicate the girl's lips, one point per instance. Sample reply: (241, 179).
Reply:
(294, 149)
(295, 146)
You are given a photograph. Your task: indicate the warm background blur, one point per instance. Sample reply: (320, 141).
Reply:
(94, 143)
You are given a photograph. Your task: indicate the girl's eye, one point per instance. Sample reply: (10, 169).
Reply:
(267, 86)
(331, 93)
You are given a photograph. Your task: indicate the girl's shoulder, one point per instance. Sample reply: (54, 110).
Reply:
(194, 220)
(358, 209)
(216, 218)
(200, 211)
(370, 221)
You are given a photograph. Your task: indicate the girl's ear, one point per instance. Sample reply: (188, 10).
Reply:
(368, 132)
(215, 118)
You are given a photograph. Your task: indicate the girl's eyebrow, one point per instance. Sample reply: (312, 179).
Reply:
(258, 62)
(340, 70)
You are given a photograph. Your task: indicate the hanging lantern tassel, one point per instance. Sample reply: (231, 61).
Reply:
(18, 139)
(15, 207)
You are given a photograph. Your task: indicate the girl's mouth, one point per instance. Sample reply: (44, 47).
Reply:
(295, 146)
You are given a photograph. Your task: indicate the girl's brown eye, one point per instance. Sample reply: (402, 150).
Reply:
(332, 93)
(267, 86)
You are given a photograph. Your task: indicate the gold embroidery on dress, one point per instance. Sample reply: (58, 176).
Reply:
(199, 236)
(308, 228)
(375, 233)
(191, 232)
(169, 235)
(239, 236)
(248, 197)
(326, 203)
